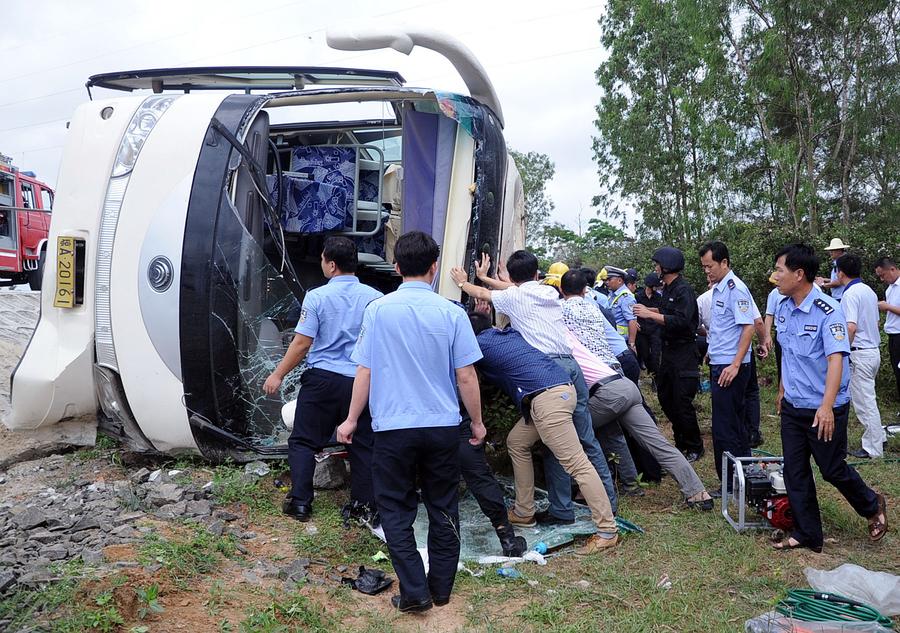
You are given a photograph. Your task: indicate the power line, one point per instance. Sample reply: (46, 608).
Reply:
(39, 97)
(128, 48)
(22, 127)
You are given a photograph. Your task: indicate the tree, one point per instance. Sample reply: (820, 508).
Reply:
(536, 170)
(716, 111)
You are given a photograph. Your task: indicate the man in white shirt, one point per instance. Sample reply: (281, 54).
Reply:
(860, 306)
(535, 311)
(887, 271)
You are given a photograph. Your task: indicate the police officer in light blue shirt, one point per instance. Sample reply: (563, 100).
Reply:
(414, 348)
(330, 319)
(730, 331)
(814, 401)
(621, 301)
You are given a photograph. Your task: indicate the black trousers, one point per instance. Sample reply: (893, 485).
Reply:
(645, 464)
(479, 478)
(894, 353)
(728, 429)
(431, 456)
(799, 441)
(323, 403)
(751, 402)
(676, 386)
(649, 347)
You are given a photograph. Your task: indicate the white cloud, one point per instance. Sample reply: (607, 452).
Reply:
(541, 58)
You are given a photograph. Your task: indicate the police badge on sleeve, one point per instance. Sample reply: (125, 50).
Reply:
(838, 331)
(303, 315)
(743, 305)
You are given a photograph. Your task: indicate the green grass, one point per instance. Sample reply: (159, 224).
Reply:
(196, 554)
(257, 494)
(286, 613)
(331, 541)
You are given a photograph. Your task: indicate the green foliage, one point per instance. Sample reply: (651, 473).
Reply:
(498, 411)
(536, 170)
(749, 110)
(148, 597)
(105, 618)
(232, 485)
(199, 553)
(288, 613)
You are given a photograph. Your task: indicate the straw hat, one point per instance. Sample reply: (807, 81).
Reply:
(837, 245)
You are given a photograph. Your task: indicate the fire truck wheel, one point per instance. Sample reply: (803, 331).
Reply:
(36, 277)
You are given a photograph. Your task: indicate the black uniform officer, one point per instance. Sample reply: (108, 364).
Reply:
(679, 372)
(814, 400)
(649, 338)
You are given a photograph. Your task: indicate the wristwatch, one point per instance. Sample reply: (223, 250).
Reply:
(460, 285)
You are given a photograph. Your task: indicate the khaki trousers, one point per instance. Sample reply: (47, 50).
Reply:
(551, 417)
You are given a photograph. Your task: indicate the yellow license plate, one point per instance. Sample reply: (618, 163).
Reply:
(65, 273)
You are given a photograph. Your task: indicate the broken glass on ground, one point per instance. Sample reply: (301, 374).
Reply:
(477, 535)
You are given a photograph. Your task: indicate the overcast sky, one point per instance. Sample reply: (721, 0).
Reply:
(541, 57)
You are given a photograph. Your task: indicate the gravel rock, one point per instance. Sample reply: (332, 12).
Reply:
(92, 556)
(86, 523)
(7, 580)
(198, 508)
(164, 494)
(216, 528)
(331, 474)
(295, 570)
(30, 518)
(55, 552)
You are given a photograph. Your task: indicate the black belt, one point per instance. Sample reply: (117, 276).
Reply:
(603, 381)
(526, 400)
(857, 349)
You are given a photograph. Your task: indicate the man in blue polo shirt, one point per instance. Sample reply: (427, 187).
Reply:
(730, 332)
(814, 401)
(413, 350)
(326, 332)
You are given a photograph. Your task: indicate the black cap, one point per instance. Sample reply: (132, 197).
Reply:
(652, 281)
(631, 275)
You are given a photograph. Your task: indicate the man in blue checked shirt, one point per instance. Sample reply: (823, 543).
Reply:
(330, 319)
(414, 349)
(814, 401)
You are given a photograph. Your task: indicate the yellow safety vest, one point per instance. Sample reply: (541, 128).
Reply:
(621, 329)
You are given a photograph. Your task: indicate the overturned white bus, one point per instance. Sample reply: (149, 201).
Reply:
(188, 226)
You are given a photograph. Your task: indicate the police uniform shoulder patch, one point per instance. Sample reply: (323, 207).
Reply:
(838, 331)
(303, 315)
(823, 306)
(743, 305)
(731, 283)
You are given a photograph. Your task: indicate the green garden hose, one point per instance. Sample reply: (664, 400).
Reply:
(809, 606)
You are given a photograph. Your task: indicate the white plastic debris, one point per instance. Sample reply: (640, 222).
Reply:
(878, 589)
(531, 557)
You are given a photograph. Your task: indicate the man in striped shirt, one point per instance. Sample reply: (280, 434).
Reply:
(535, 311)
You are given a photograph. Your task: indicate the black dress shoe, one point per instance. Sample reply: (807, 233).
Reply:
(545, 518)
(859, 453)
(716, 494)
(442, 600)
(693, 456)
(513, 545)
(297, 510)
(412, 606)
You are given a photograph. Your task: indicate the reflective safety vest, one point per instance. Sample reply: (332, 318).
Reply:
(621, 329)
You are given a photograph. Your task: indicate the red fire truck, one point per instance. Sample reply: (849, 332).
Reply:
(25, 205)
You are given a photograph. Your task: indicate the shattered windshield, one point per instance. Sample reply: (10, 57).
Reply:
(253, 314)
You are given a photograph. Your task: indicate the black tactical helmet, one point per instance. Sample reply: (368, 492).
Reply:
(669, 258)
